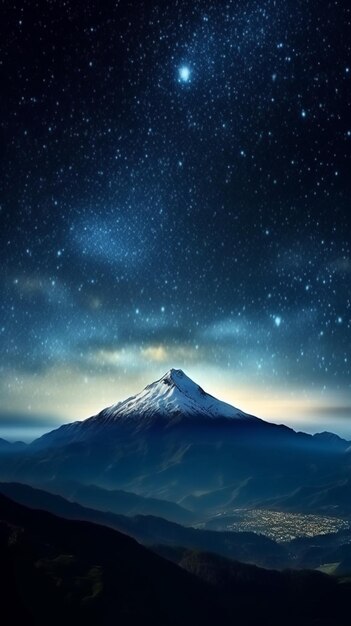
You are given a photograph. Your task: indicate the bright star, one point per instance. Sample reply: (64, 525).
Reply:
(184, 74)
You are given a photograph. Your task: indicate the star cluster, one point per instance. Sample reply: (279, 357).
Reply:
(175, 192)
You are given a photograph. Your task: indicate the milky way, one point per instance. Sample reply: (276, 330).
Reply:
(175, 192)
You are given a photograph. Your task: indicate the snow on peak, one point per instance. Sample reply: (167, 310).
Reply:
(175, 394)
(180, 380)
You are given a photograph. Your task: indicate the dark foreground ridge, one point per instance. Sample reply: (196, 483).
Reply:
(59, 571)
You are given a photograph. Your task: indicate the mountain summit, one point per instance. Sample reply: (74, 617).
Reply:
(175, 394)
(172, 399)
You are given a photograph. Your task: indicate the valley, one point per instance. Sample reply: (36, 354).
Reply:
(278, 525)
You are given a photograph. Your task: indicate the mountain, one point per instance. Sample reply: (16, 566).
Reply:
(288, 597)
(331, 439)
(165, 403)
(325, 552)
(174, 395)
(56, 571)
(332, 499)
(9, 446)
(119, 502)
(149, 530)
(248, 547)
(175, 442)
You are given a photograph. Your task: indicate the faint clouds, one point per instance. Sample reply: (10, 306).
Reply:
(342, 265)
(113, 358)
(155, 353)
(137, 358)
(33, 287)
(226, 329)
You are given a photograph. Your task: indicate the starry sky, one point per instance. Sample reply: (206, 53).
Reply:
(175, 192)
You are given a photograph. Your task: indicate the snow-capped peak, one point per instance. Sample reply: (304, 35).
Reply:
(175, 394)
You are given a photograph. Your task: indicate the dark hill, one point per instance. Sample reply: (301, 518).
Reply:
(266, 596)
(150, 530)
(57, 571)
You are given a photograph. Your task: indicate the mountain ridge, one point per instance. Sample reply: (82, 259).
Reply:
(58, 571)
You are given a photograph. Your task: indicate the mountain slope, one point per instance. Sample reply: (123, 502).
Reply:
(58, 571)
(61, 571)
(11, 446)
(247, 547)
(332, 499)
(164, 403)
(118, 501)
(288, 597)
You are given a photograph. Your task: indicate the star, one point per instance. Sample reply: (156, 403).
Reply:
(184, 74)
(277, 320)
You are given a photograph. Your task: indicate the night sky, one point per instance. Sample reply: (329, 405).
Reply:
(175, 192)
